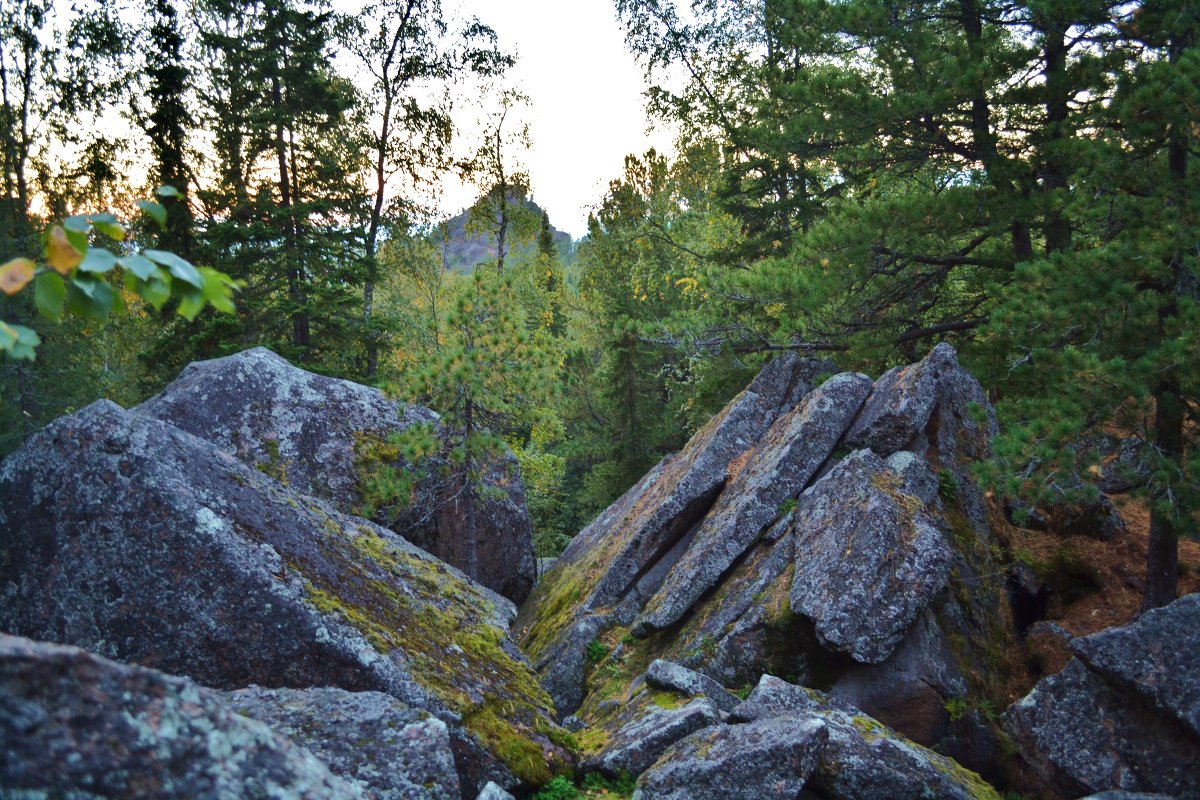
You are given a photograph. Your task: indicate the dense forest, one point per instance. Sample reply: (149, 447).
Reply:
(854, 180)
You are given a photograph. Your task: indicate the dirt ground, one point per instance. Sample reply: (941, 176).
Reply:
(1093, 584)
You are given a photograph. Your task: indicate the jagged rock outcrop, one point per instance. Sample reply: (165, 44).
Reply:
(639, 742)
(861, 757)
(617, 563)
(1124, 714)
(869, 558)
(127, 536)
(322, 436)
(768, 759)
(396, 752)
(781, 464)
(73, 724)
(769, 544)
(673, 678)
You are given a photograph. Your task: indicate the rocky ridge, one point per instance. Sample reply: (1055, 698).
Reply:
(323, 437)
(828, 531)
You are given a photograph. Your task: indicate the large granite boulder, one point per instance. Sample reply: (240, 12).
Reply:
(671, 677)
(323, 437)
(778, 468)
(769, 759)
(127, 536)
(869, 558)
(1157, 655)
(899, 408)
(769, 545)
(862, 758)
(75, 725)
(1122, 715)
(395, 751)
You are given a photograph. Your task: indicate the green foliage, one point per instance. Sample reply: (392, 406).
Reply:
(486, 374)
(622, 785)
(957, 708)
(596, 651)
(71, 280)
(558, 788)
(544, 474)
(592, 785)
(947, 485)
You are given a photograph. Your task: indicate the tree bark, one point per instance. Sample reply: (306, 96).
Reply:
(395, 54)
(468, 496)
(1162, 556)
(1057, 227)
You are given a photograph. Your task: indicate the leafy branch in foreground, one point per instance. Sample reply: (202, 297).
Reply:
(72, 278)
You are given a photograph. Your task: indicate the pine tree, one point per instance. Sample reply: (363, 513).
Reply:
(169, 123)
(548, 268)
(1104, 334)
(288, 147)
(502, 213)
(488, 376)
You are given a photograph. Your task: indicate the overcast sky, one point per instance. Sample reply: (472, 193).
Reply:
(586, 111)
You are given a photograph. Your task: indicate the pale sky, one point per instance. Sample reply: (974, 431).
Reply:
(586, 111)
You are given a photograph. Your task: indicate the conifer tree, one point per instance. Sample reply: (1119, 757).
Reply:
(288, 150)
(486, 377)
(168, 123)
(1105, 334)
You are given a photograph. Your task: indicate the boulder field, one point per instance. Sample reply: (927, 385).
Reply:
(809, 600)
(142, 542)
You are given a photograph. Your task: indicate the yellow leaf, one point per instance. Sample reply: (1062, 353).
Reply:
(61, 255)
(15, 274)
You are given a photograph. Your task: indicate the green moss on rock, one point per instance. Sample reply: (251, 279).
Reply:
(399, 601)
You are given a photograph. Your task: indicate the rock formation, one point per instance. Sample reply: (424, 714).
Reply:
(396, 752)
(132, 538)
(860, 757)
(829, 532)
(73, 724)
(768, 759)
(1124, 714)
(832, 533)
(322, 436)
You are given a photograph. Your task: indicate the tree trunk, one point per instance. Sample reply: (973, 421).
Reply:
(295, 276)
(468, 496)
(396, 53)
(1057, 227)
(1162, 556)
